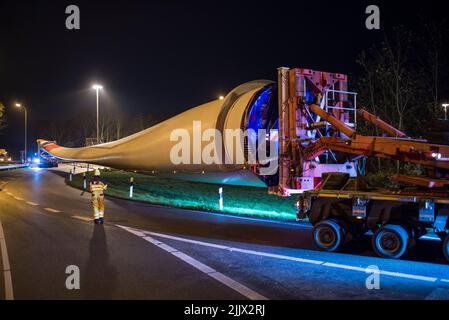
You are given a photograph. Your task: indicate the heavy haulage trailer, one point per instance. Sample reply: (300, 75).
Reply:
(320, 156)
(317, 123)
(340, 210)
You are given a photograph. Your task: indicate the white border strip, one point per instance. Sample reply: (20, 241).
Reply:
(385, 273)
(234, 285)
(217, 246)
(283, 257)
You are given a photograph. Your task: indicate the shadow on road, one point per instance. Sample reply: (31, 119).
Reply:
(99, 281)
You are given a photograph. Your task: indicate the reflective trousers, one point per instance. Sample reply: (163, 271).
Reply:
(98, 206)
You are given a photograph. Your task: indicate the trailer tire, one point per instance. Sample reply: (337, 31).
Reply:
(446, 247)
(328, 235)
(390, 241)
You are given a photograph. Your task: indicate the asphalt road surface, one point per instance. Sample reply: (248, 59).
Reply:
(152, 252)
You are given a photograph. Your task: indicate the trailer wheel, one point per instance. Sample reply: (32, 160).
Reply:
(328, 235)
(390, 241)
(446, 247)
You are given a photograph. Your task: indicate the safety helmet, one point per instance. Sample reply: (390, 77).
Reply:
(97, 173)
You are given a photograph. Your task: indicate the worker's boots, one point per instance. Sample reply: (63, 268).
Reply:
(99, 220)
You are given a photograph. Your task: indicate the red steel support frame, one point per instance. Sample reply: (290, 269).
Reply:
(294, 116)
(434, 157)
(382, 125)
(294, 122)
(284, 132)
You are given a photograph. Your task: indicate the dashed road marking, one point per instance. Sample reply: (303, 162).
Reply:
(227, 281)
(82, 218)
(284, 257)
(9, 295)
(18, 198)
(32, 203)
(52, 210)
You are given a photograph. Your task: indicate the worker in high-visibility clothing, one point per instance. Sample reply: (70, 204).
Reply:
(97, 188)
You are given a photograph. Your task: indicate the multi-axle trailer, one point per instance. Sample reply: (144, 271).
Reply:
(341, 210)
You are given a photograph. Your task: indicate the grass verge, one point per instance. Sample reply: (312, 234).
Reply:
(238, 200)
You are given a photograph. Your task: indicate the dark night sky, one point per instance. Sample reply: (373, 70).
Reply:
(166, 56)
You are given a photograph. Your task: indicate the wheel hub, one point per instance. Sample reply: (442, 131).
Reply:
(390, 242)
(326, 236)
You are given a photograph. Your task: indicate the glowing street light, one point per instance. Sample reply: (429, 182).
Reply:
(445, 105)
(97, 88)
(18, 105)
(221, 97)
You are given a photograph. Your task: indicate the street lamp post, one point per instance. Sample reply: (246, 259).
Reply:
(445, 105)
(97, 88)
(18, 105)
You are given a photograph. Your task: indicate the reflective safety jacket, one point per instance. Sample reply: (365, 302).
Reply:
(97, 188)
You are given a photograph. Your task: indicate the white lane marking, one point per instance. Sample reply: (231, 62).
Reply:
(343, 266)
(217, 246)
(32, 203)
(82, 218)
(386, 273)
(234, 285)
(52, 210)
(135, 232)
(18, 198)
(445, 280)
(408, 276)
(9, 295)
(9, 193)
(283, 257)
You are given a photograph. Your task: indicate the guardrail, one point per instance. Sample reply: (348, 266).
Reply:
(11, 167)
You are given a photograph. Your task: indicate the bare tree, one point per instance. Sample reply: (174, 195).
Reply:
(111, 126)
(367, 86)
(57, 131)
(431, 57)
(391, 84)
(397, 78)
